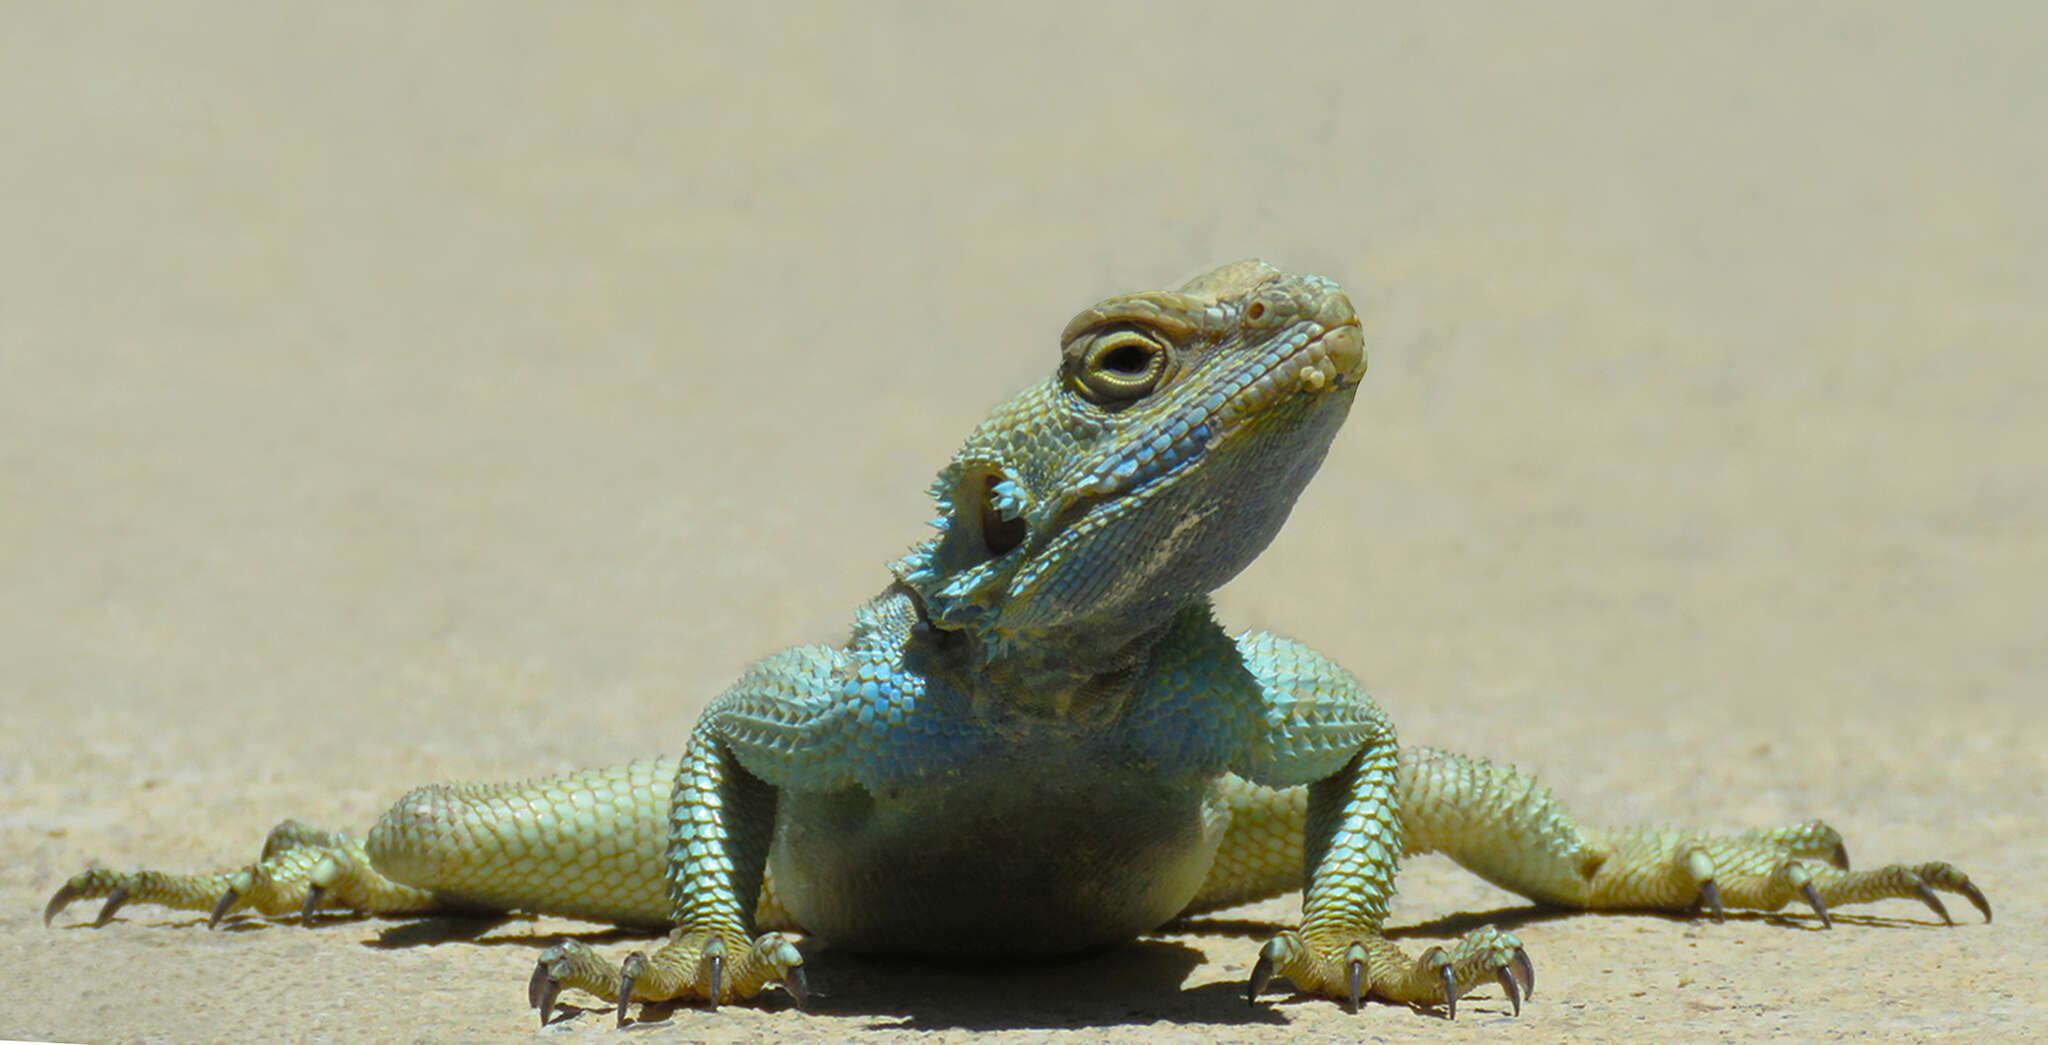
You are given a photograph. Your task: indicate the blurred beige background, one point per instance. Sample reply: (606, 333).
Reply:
(472, 390)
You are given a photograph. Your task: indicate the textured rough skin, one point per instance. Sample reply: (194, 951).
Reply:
(1037, 741)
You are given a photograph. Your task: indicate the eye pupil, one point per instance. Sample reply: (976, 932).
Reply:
(1126, 359)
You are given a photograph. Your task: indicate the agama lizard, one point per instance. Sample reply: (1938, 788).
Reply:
(1037, 740)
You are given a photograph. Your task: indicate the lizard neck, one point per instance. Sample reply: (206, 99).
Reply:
(1078, 678)
(1072, 683)
(1056, 682)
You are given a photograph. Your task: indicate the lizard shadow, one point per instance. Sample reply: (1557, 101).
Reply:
(1139, 982)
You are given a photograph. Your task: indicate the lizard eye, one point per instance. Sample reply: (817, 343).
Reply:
(1121, 366)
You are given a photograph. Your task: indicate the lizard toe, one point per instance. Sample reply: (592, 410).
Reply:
(571, 963)
(1351, 969)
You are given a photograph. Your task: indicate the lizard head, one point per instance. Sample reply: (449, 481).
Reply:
(1155, 463)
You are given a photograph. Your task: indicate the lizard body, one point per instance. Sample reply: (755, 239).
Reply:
(1038, 741)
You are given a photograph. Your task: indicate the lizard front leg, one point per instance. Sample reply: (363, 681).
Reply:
(721, 820)
(1352, 843)
(1352, 838)
(780, 724)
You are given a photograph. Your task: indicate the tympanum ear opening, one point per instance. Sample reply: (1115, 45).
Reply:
(998, 534)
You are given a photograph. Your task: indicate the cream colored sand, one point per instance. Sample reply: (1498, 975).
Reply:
(472, 392)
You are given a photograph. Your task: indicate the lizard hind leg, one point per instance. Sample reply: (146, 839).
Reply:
(301, 870)
(1763, 870)
(586, 844)
(1506, 828)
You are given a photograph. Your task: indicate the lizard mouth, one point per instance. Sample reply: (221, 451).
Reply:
(1333, 359)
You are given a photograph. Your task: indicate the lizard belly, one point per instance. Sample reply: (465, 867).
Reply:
(1002, 862)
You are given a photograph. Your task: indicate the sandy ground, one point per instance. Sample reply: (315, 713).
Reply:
(471, 393)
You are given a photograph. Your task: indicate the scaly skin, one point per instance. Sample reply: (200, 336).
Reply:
(1037, 741)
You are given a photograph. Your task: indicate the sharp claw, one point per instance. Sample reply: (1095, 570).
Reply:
(1525, 971)
(1450, 992)
(1926, 894)
(1812, 895)
(314, 894)
(114, 901)
(550, 989)
(222, 906)
(1355, 982)
(537, 983)
(1841, 857)
(630, 971)
(1710, 897)
(797, 985)
(1969, 890)
(1262, 974)
(58, 901)
(1508, 985)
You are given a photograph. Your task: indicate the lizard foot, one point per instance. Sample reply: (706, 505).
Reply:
(1351, 968)
(697, 966)
(1764, 870)
(301, 870)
